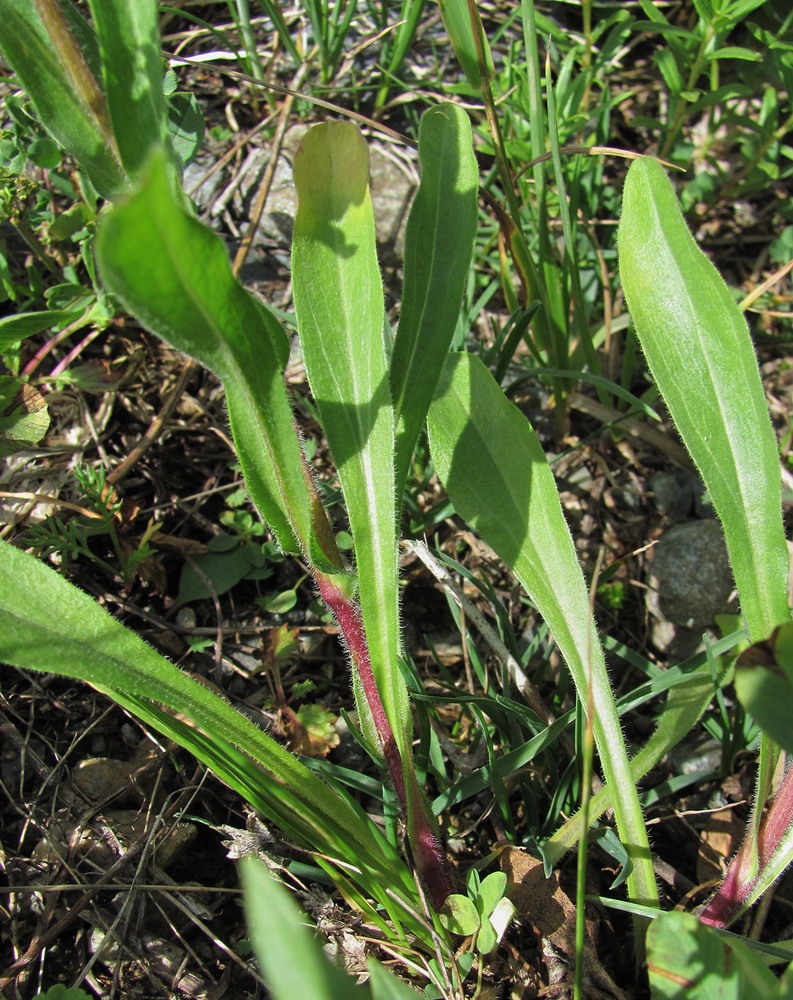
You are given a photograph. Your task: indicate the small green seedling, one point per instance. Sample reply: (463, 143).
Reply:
(484, 914)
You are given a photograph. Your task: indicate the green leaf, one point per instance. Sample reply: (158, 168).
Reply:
(339, 307)
(469, 41)
(186, 124)
(49, 625)
(491, 891)
(439, 243)
(496, 474)
(61, 992)
(689, 961)
(486, 939)
(700, 354)
(53, 84)
(129, 45)
(173, 274)
(735, 52)
(17, 327)
(386, 986)
(764, 685)
(768, 697)
(24, 419)
(44, 153)
(291, 960)
(280, 604)
(460, 915)
(223, 570)
(71, 221)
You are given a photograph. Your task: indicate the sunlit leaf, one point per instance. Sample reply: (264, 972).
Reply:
(700, 354)
(439, 242)
(173, 274)
(496, 474)
(339, 307)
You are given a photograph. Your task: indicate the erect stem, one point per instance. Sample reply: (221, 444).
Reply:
(425, 844)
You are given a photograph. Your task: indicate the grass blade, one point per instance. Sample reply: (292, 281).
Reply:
(684, 707)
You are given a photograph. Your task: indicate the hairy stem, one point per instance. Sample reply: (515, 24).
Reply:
(425, 844)
(742, 875)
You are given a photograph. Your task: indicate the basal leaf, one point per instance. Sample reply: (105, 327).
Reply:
(338, 296)
(439, 243)
(700, 354)
(173, 274)
(290, 957)
(496, 474)
(57, 98)
(47, 624)
(132, 70)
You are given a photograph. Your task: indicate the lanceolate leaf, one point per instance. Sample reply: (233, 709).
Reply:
(132, 69)
(278, 928)
(173, 274)
(64, 113)
(338, 296)
(439, 243)
(700, 354)
(49, 625)
(495, 472)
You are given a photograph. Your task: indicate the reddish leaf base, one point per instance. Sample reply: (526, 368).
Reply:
(722, 909)
(428, 853)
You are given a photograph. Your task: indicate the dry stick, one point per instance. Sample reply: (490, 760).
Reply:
(44, 939)
(155, 428)
(287, 92)
(267, 180)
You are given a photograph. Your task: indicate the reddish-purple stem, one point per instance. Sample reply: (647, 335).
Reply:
(737, 884)
(425, 845)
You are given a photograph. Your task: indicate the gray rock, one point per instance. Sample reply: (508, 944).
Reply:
(690, 577)
(677, 495)
(671, 494)
(392, 185)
